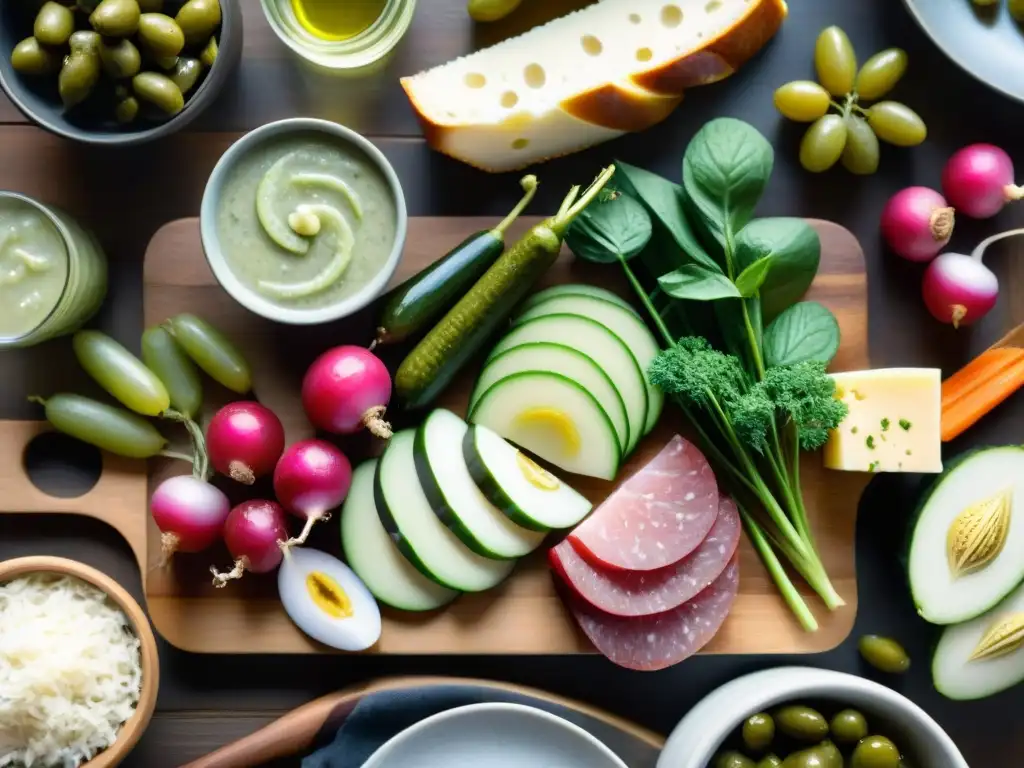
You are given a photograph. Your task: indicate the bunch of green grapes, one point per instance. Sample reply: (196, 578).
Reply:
(851, 132)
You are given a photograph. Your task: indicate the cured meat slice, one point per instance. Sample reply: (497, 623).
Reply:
(659, 641)
(657, 517)
(642, 593)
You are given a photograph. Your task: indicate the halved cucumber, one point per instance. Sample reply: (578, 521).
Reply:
(574, 289)
(373, 556)
(563, 360)
(600, 345)
(621, 321)
(526, 492)
(455, 498)
(409, 520)
(553, 417)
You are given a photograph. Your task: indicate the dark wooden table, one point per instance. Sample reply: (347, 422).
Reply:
(126, 195)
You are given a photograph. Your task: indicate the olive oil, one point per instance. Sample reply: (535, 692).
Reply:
(337, 20)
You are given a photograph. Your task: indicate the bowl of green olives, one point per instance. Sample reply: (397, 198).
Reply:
(117, 72)
(801, 717)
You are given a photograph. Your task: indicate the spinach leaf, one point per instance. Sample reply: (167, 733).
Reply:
(795, 250)
(725, 170)
(696, 282)
(665, 200)
(750, 280)
(612, 228)
(805, 331)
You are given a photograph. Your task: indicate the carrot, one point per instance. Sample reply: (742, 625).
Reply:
(976, 372)
(990, 391)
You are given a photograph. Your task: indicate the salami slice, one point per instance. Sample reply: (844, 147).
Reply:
(642, 593)
(657, 517)
(659, 641)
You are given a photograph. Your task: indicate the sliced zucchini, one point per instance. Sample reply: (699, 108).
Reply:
(526, 492)
(455, 498)
(370, 552)
(967, 540)
(569, 362)
(958, 676)
(574, 289)
(554, 418)
(621, 321)
(600, 345)
(418, 533)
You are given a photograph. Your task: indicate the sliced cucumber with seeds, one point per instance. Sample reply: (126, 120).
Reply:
(374, 557)
(554, 418)
(522, 489)
(563, 360)
(418, 533)
(575, 289)
(621, 321)
(334, 270)
(600, 345)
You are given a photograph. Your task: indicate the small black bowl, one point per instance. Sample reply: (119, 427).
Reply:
(38, 100)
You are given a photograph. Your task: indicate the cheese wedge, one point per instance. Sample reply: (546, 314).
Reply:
(585, 78)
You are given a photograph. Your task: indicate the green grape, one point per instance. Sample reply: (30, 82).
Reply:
(880, 73)
(823, 143)
(211, 351)
(835, 61)
(802, 100)
(861, 153)
(113, 429)
(120, 373)
(163, 356)
(897, 124)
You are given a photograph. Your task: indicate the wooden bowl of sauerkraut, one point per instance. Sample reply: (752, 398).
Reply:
(78, 666)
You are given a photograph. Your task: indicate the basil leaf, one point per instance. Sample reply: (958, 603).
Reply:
(612, 228)
(725, 169)
(664, 199)
(805, 331)
(752, 278)
(795, 250)
(696, 282)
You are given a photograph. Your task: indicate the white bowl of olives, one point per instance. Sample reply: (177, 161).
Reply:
(801, 717)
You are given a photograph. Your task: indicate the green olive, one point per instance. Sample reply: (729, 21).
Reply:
(833, 757)
(803, 723)
(54, 24)
(166, 63)
(875, 752)
(87, 6)
(120, 59)
(860, 155)
(160, 91)
(151, 6)
(813, 757)
(113, 429)
(802, 100)
(491, 10)
(30, 58)
(758, 732)
(733, 759)
(848, 726)
(835, 61)
(116, 18)
(186, 73)
(884, 653)
(126, 110)
(880, 73)
(1016, 8)
(85, 41)
(78, 77)
(198, 20)
(769, 761)
(823, 143)
(160, 34)
(209, 54)
(897, 124)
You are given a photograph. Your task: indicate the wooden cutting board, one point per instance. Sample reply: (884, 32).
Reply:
(522, 616)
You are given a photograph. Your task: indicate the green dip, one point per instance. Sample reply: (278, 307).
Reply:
(306, 221)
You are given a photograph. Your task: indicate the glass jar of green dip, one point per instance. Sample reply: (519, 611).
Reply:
(53, 273)
(349, 35)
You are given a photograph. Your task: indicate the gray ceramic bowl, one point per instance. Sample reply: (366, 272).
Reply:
(694, 742)
(38, 100)
(252, 299)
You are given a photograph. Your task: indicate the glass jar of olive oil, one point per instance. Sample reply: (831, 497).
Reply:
(53, 273)
(340, 34)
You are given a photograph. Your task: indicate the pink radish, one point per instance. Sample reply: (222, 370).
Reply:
(916, 223)
(244, 441)
(254, 532)
(311, 478)
(959, 289)
(346, 389)
(978, 181)
(190, 514)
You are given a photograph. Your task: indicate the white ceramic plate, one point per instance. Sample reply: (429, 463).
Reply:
(494, 736)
